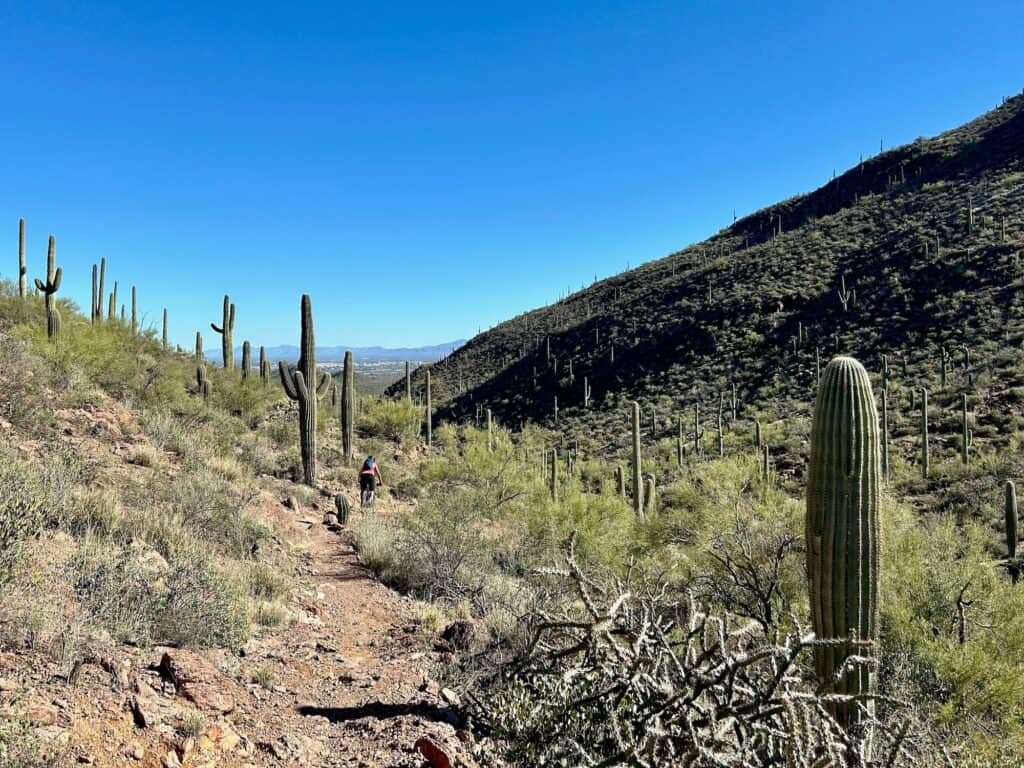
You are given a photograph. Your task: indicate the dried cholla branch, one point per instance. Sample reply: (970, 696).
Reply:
(623, 673)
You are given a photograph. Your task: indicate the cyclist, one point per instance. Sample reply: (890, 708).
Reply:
(369, 477)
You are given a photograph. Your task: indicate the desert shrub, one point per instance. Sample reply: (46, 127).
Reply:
(375, 539)
(397, 420)
(202, 608)
(266, 582)
(19, 747)
(22, 500)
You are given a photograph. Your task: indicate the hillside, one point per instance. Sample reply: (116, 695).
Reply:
(926, 237)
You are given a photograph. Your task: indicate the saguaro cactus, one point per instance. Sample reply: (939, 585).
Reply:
(112, 304)
(199, 347)
(638, 488)
(1010, 512)
(924, 433)
(98, 290)
(490, 430)
(50, 288)
(202, 383)
(965, 433)
(843, 496)
(226, 330)
(22, 266)
(408, 382)
(885, 434)
(163, 336)
(429, 412)
(348, 407)
(650, 499)
(303, 385)
(264, 366)
(246, 359)
(553, 479)
(135, 311)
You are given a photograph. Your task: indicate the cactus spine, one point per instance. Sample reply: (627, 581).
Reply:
(50, 288)
(843, 530)
(22, 266)
(246, 359)
(638, 488)
(924, 432)
(348, 395)
(303, 385)
(226, 330)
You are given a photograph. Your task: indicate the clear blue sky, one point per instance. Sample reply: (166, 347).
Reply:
(423, 169)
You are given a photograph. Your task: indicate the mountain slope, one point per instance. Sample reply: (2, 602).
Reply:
(897, 228)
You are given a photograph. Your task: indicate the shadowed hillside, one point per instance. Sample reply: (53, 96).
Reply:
(926, 237)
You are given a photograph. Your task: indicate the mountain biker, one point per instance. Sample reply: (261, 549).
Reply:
(369, 476)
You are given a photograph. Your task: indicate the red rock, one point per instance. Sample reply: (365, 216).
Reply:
(433, 753)
(198, 681)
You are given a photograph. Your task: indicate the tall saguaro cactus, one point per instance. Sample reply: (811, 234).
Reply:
(1010, 514)
(112, 304)
(303, 385)
(22, 266)
(843, 497)
(98, 290)
(226, 329)
(638, 487)
(199, 347)
(135, 311)
(246, 359)
(264, 366)
(885, 434)
(163, 337)
(924, 433)
(429, 412)
(408, 382)
(50, 288)
(348, 406)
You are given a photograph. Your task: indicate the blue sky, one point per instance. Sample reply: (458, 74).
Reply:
(425, 169)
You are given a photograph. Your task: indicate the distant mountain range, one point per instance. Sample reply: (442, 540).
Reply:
(290, 353)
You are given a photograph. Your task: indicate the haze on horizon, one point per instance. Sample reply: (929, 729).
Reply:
(424, 172)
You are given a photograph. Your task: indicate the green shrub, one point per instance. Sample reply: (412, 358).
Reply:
(397, 420)
(22, 502)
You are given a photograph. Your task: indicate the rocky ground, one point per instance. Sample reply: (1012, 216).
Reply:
(343, 681)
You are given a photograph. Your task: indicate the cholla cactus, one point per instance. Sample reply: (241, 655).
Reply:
(304, 385)
(50, 288)
(631, 672)
(843, 498)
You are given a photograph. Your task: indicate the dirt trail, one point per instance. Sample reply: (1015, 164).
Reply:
(345, 682)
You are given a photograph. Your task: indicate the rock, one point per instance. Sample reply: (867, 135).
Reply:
(219, 737)
(198, 681)
(330, 519)
(143, 715)
(450, 697)
(433, 753)
(138, 753)
(41, 714)
(292, 503)
(170, 760)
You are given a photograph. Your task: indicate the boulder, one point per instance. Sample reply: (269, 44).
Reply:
(198, 681)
